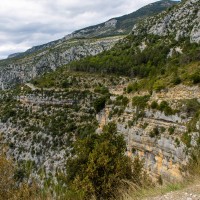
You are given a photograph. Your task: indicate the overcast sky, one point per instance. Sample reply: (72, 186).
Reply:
(26, 23)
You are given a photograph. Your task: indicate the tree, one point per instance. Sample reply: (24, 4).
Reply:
(99, 165)
(99, 104)
(10, 187)
(6, 178)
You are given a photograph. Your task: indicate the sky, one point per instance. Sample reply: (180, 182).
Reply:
(27, 23)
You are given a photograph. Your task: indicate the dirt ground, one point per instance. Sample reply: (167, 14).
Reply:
(189, 193)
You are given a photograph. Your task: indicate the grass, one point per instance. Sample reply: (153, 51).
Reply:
(155, 191)
(192, 178)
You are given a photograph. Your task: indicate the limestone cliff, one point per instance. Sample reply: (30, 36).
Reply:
(17, 71)
(90, 41)
(154, 135)
(180, 22)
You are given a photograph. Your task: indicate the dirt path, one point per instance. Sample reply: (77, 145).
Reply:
(189, 193)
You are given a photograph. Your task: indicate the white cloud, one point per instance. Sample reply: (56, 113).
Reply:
(25, 23)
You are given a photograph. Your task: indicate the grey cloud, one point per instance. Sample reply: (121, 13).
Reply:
(26, 23)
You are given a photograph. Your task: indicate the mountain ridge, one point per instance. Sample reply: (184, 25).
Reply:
(146, 83)
(48, 57)
(112, 27)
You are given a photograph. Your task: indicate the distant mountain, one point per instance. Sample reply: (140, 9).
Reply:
(22, 67)
(147, 82)
(125, 23)
(113, 27)
(167, 39)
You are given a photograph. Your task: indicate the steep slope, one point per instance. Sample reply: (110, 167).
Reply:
(40, 122)
(116, 26)
(154, 45)
(162, 52)
(182, 22)
(38, 60)
(19, 70)
(155, 106)
(124, 24)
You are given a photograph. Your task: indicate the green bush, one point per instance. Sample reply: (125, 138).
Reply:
(177, 80)
(154, 105)
(101, 90)
(158, 86)
(195, 78)
(164, 107)
(99, 165)
(177, 141)
(155, 132)
(121, 100)
(99, 104)
(191, 106)
(132, 87)
(171, 130)
(140, 101)
(186, 139)
(130, 123)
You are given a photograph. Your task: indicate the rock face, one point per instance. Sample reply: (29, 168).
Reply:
(21, 67)
(181, 21)
(30, 135)
(39, 124)
(24, 69)
(123, 24)
(164, 153)
(33, 125)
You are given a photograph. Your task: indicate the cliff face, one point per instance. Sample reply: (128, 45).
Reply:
(39, 125)
(22, 67)
(155, 136)
(181, 22)
(40, 122)
(21, 70)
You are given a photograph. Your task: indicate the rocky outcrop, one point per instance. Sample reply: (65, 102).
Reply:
(156, 137)
(162, 155)
(31, 138)
(181, 21)
(24, 69)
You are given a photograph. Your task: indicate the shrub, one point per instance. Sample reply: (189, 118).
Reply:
(171, 130)
(99, 165)
(9, 187)
(160, 180)
(191, 106)
(132, 87)
(140, 101)
(164, 107)
(133, 150)
(195, 78)
(154, 105)
(158, 86)
(155, 132)
(162, 129)
(99, 104)
(145, 125)
(177, 141)
(130, 123)
(101, 90)
(177, 80)
(121, 100)
(186, 139)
